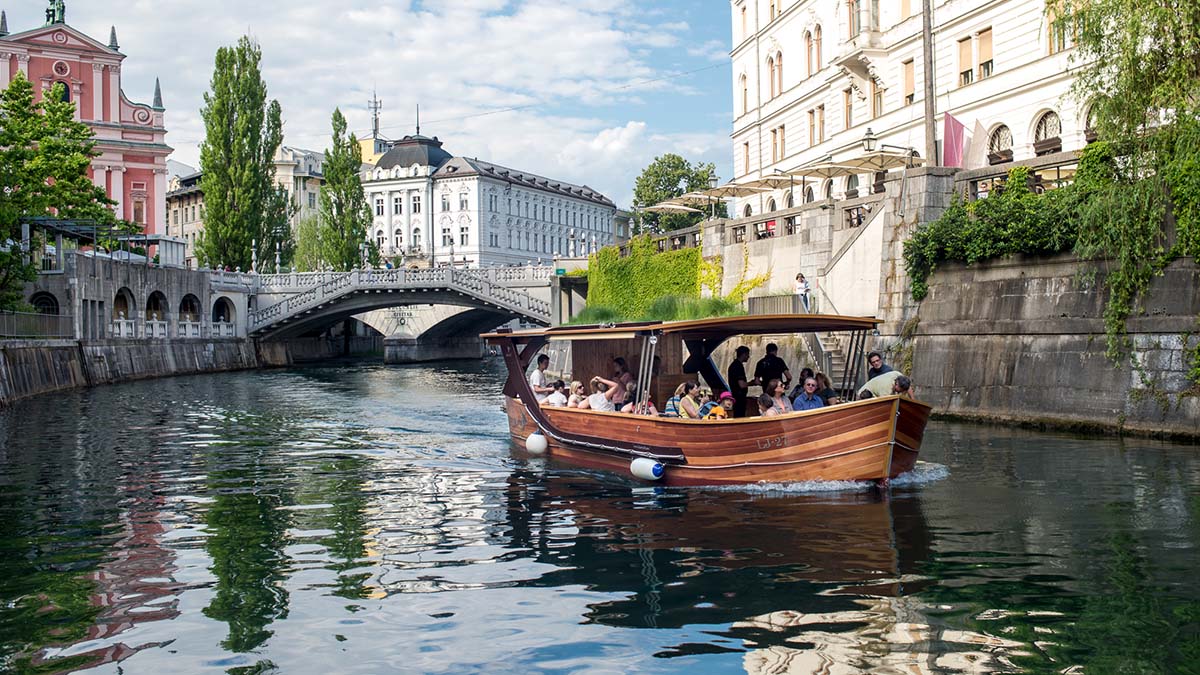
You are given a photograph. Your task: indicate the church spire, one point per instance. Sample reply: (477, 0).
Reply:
(157, 95)
(112, 40)
(3, 24)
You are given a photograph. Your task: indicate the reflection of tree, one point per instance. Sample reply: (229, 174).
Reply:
(343, 489)
(247, 534)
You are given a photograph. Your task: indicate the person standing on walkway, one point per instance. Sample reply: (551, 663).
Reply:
(771, 367)
(802, 290)
(736, 377)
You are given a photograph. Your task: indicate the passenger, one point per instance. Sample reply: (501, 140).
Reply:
(738, 384)
(689, 409)
(537, 379)
(778, 393)
(805, 373)
(877, 366)
(771, 367)
(766, 406)
(725, 408)
(672, 407)
(602, 394)
(631, 404)
(881, 385)
(865, 394)
(810, 399)
(558, 399)
(706, 403)
(622, 377)
(825, 390)
(578, 398)
(902, 386)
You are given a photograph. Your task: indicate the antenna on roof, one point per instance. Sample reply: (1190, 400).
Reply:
(374, 105)
(418, 119)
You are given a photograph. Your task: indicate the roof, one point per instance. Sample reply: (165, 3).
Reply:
(722, 327)
(411, 150)
(469, 166)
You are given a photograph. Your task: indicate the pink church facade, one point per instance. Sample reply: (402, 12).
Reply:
(130, 137)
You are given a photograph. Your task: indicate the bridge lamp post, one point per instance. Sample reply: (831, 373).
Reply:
(713, 182)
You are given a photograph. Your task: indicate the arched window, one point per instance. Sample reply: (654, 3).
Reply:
(778, 73)
(416, 242)
(1000, 144)
(817, 40)
(771, 76)
(123, 304)
(156, 307)
(852, 187)
(809, 196)
(66, 91)
(399, 240)
(808, 53)
(1047, 134)
(829, 188)
(746, 212)
(222, 311)
(189, 309)
(788, 200)
(379, 239)
(44, 303)
(852, 21)
(745, 95)
(1089, 125)
(771, 205)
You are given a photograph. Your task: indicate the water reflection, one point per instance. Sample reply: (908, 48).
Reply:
(365, 520)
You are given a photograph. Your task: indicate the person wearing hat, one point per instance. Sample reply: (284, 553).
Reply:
(725, 408)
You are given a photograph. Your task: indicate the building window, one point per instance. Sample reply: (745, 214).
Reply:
(745, 94)
(447, 237)
(379, 239)
(379, 207)
(746, 157)
(1062, 29)
(445, 202)
(312, 200)
(821, 124)
(397, 206)
(905, 9)
(966, 67)
(464, 236)
(848, 108)
(1000, 145)
(817, 41)
(175, 216)
(771, 76)
(876, 99)
(399, 240)
(910, 91)
(774, 145)
(852, 18)
(1047, 134)
(772, 10)
(808, 53)
(985, 53)
(812, 127)
(416, 208)
(782, 143)
(745, 25)
(139, 212)
(463, 202)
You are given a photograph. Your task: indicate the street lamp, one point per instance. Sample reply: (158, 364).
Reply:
(713, 182)
(363, 251)
(869, 141)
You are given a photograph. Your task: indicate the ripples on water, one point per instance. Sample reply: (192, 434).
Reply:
(363, 519)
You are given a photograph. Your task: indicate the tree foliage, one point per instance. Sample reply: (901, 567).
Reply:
(243, 205)
(44, 158)
(666, 177)
(345, 214)
(307, 256)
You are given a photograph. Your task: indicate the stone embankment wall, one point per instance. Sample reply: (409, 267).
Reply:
(1022, 340)
(39, 367)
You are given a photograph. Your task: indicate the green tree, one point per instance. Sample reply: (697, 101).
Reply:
(44, 158)
(670, 176)
(243, 206)
(307, 257)
(345, 214)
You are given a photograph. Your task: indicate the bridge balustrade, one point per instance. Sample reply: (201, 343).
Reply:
(124, 328)
(188, 329)
(156, 329)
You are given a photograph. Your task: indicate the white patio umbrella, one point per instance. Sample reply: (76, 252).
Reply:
(668, 207)
(883, 160)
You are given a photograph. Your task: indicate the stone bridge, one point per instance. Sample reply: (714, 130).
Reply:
(292, 304)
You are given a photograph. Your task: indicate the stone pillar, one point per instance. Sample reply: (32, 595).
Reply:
(156, 220)
(22, 65)
(76, 91)
(117, 193)
(98, 91)
(100, 177)
(5, 75)
(114, 94)
(389, 212)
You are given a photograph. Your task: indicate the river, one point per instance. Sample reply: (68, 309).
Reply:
(367, 519)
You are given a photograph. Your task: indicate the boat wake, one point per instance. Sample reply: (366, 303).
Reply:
(922, 473)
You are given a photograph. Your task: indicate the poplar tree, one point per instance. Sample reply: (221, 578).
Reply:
(242, 203)
(44, 158)
(666, 177)
(345, 214)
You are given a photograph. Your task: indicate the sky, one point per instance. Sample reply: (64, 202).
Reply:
(587, 91)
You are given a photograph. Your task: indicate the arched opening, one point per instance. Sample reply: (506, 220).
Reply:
(1000, 144)
(771, 77)
(880, 182)
(829, 188)
(123, 305)
(817, 40)
(746, 212)
(852, 187)
(66, 91)
(771, 205)
(223, 311)
(44, 303)
(788, 201)
(808, 53)
(809, 195)
(778, 73)
(189, 309)
(745, 94)
(416, 239)
(156, 307)
(1089, 125)
(1047, 134)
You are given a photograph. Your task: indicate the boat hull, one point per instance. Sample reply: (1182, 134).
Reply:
(875, 440)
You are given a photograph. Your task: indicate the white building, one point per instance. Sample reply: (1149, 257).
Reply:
(300, 173)
(811, 76)
(429, 204)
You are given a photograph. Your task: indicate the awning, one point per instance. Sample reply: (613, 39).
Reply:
(733, 190)
(873, 162)
(777, 182)
(825, 170)
(668, 207)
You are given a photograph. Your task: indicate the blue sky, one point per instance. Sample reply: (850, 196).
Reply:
(588, 91)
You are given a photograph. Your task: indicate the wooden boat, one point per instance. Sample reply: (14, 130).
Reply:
(870, 440)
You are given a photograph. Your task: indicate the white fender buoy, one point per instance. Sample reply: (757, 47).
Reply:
(536, 443)
(646, 469)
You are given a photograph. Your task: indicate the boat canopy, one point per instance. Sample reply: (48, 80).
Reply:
(700, 329)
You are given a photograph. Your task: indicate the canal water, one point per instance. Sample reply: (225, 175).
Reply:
(366, 519)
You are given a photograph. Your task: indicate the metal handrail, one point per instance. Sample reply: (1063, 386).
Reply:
(36, 325)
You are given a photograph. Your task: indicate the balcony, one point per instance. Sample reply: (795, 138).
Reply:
(857, 56)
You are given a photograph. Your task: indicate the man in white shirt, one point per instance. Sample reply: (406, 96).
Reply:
(537, 379)
(558, 398)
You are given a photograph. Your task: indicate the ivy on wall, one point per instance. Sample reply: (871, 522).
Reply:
(630, 285)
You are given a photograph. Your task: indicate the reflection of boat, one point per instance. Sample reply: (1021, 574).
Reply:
(702, 557)
(874, 439)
